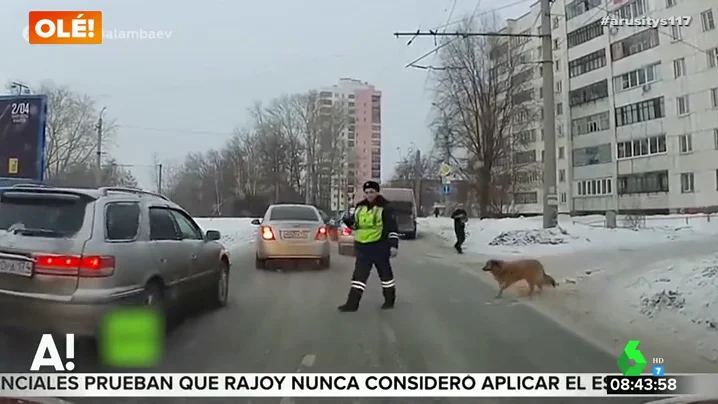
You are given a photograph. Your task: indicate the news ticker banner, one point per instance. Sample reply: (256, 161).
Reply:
(353, 385)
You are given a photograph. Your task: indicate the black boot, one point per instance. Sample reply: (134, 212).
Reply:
(389, 298)
(352, 303)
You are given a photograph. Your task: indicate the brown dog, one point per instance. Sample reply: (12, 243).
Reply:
(507, 273)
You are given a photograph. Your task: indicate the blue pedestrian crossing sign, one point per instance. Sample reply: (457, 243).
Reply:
(658, 371)
(447, 189)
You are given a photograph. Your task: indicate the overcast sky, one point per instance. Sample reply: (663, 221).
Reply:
(188, 92)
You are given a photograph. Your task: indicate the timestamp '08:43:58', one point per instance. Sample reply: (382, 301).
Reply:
(643, 385)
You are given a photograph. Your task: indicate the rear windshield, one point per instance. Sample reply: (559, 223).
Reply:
(402, 207)
(300, 213)
(42, 217)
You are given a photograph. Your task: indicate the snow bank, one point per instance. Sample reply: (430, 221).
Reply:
(517, 236)
(235, 230)
(678, 295)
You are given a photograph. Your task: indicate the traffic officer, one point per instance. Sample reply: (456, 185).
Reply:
(375, 241)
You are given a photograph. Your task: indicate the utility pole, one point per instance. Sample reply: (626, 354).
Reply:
(550, 200)
(159, 178)
(20, 88)
(98, 162)
(417, 177)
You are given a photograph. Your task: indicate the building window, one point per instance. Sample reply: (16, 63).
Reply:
(597, 187)
(591, 92)
(638, 77)
(679, 67)
(687, 183)
(712, 55)
(559, 87)
(525, 157)
(683, 105)
(634, 44)
(524, 198)
(559, 109)
(562, 175)
(676, 33)
(554, 22)
(633, 9)
(578, 7)
(685, 143)
(643, 183)
(563, 197)
(587, 63)
(559, 130)
(591, 123)
(670, 3)
(714, 97)
(561, 153)
(526, 136)
(588, 156)
(707, 21)
(641, 147)
(584, 34)
(556, 44)
(715, 138)
(640, 112)
(716, 179)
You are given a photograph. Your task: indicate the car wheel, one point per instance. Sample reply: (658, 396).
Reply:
(259, 263)
(154, 298)
(325, 262)
(220, 292)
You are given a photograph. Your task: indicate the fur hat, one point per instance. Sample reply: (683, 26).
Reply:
(371, 185)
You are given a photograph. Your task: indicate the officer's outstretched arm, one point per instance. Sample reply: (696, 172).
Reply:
(391, 227)
(349, 221)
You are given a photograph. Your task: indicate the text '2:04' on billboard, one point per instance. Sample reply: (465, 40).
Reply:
(22, 136)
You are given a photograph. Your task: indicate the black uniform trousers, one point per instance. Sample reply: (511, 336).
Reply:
(368, 256)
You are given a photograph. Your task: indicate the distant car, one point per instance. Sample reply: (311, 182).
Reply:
(292, 232)
(403, 204)
(70, 256)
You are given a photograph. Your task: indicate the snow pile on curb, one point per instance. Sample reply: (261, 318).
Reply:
(526, 236)
(689, 291)
(235, 231)
(552, 236)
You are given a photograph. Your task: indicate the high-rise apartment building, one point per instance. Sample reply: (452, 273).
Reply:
(361, 135)
(636, 106)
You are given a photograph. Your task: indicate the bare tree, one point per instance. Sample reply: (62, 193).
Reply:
(484, 95)
(71, 130)
(406, 168)
(307, 108)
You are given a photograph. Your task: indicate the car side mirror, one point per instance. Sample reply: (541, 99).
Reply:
(256, 222)
(212, 235)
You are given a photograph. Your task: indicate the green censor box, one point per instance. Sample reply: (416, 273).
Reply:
(132, 338)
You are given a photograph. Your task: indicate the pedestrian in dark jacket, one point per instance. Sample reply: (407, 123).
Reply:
(460, 218)
(436, 212)
(375, 241)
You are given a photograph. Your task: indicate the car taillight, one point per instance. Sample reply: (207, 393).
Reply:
(86, 265)
(347, 231)
(321, 233)
(267, 233)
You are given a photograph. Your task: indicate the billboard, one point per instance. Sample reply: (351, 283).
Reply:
(22, 136)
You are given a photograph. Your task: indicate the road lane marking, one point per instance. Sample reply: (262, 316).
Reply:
(307, 362)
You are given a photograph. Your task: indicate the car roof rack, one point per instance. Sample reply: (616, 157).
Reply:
(106, 190)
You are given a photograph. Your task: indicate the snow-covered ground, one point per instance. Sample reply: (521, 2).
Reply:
(658, 283)
(235, 231)
(525, 236)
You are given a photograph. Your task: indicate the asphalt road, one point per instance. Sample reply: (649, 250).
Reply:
(445, 321)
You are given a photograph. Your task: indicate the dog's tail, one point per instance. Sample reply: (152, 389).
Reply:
(549, 280)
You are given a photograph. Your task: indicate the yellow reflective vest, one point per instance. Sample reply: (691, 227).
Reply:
(369, 224)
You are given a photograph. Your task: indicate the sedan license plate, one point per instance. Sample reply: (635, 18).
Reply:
(294, 234)
(16, 267)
